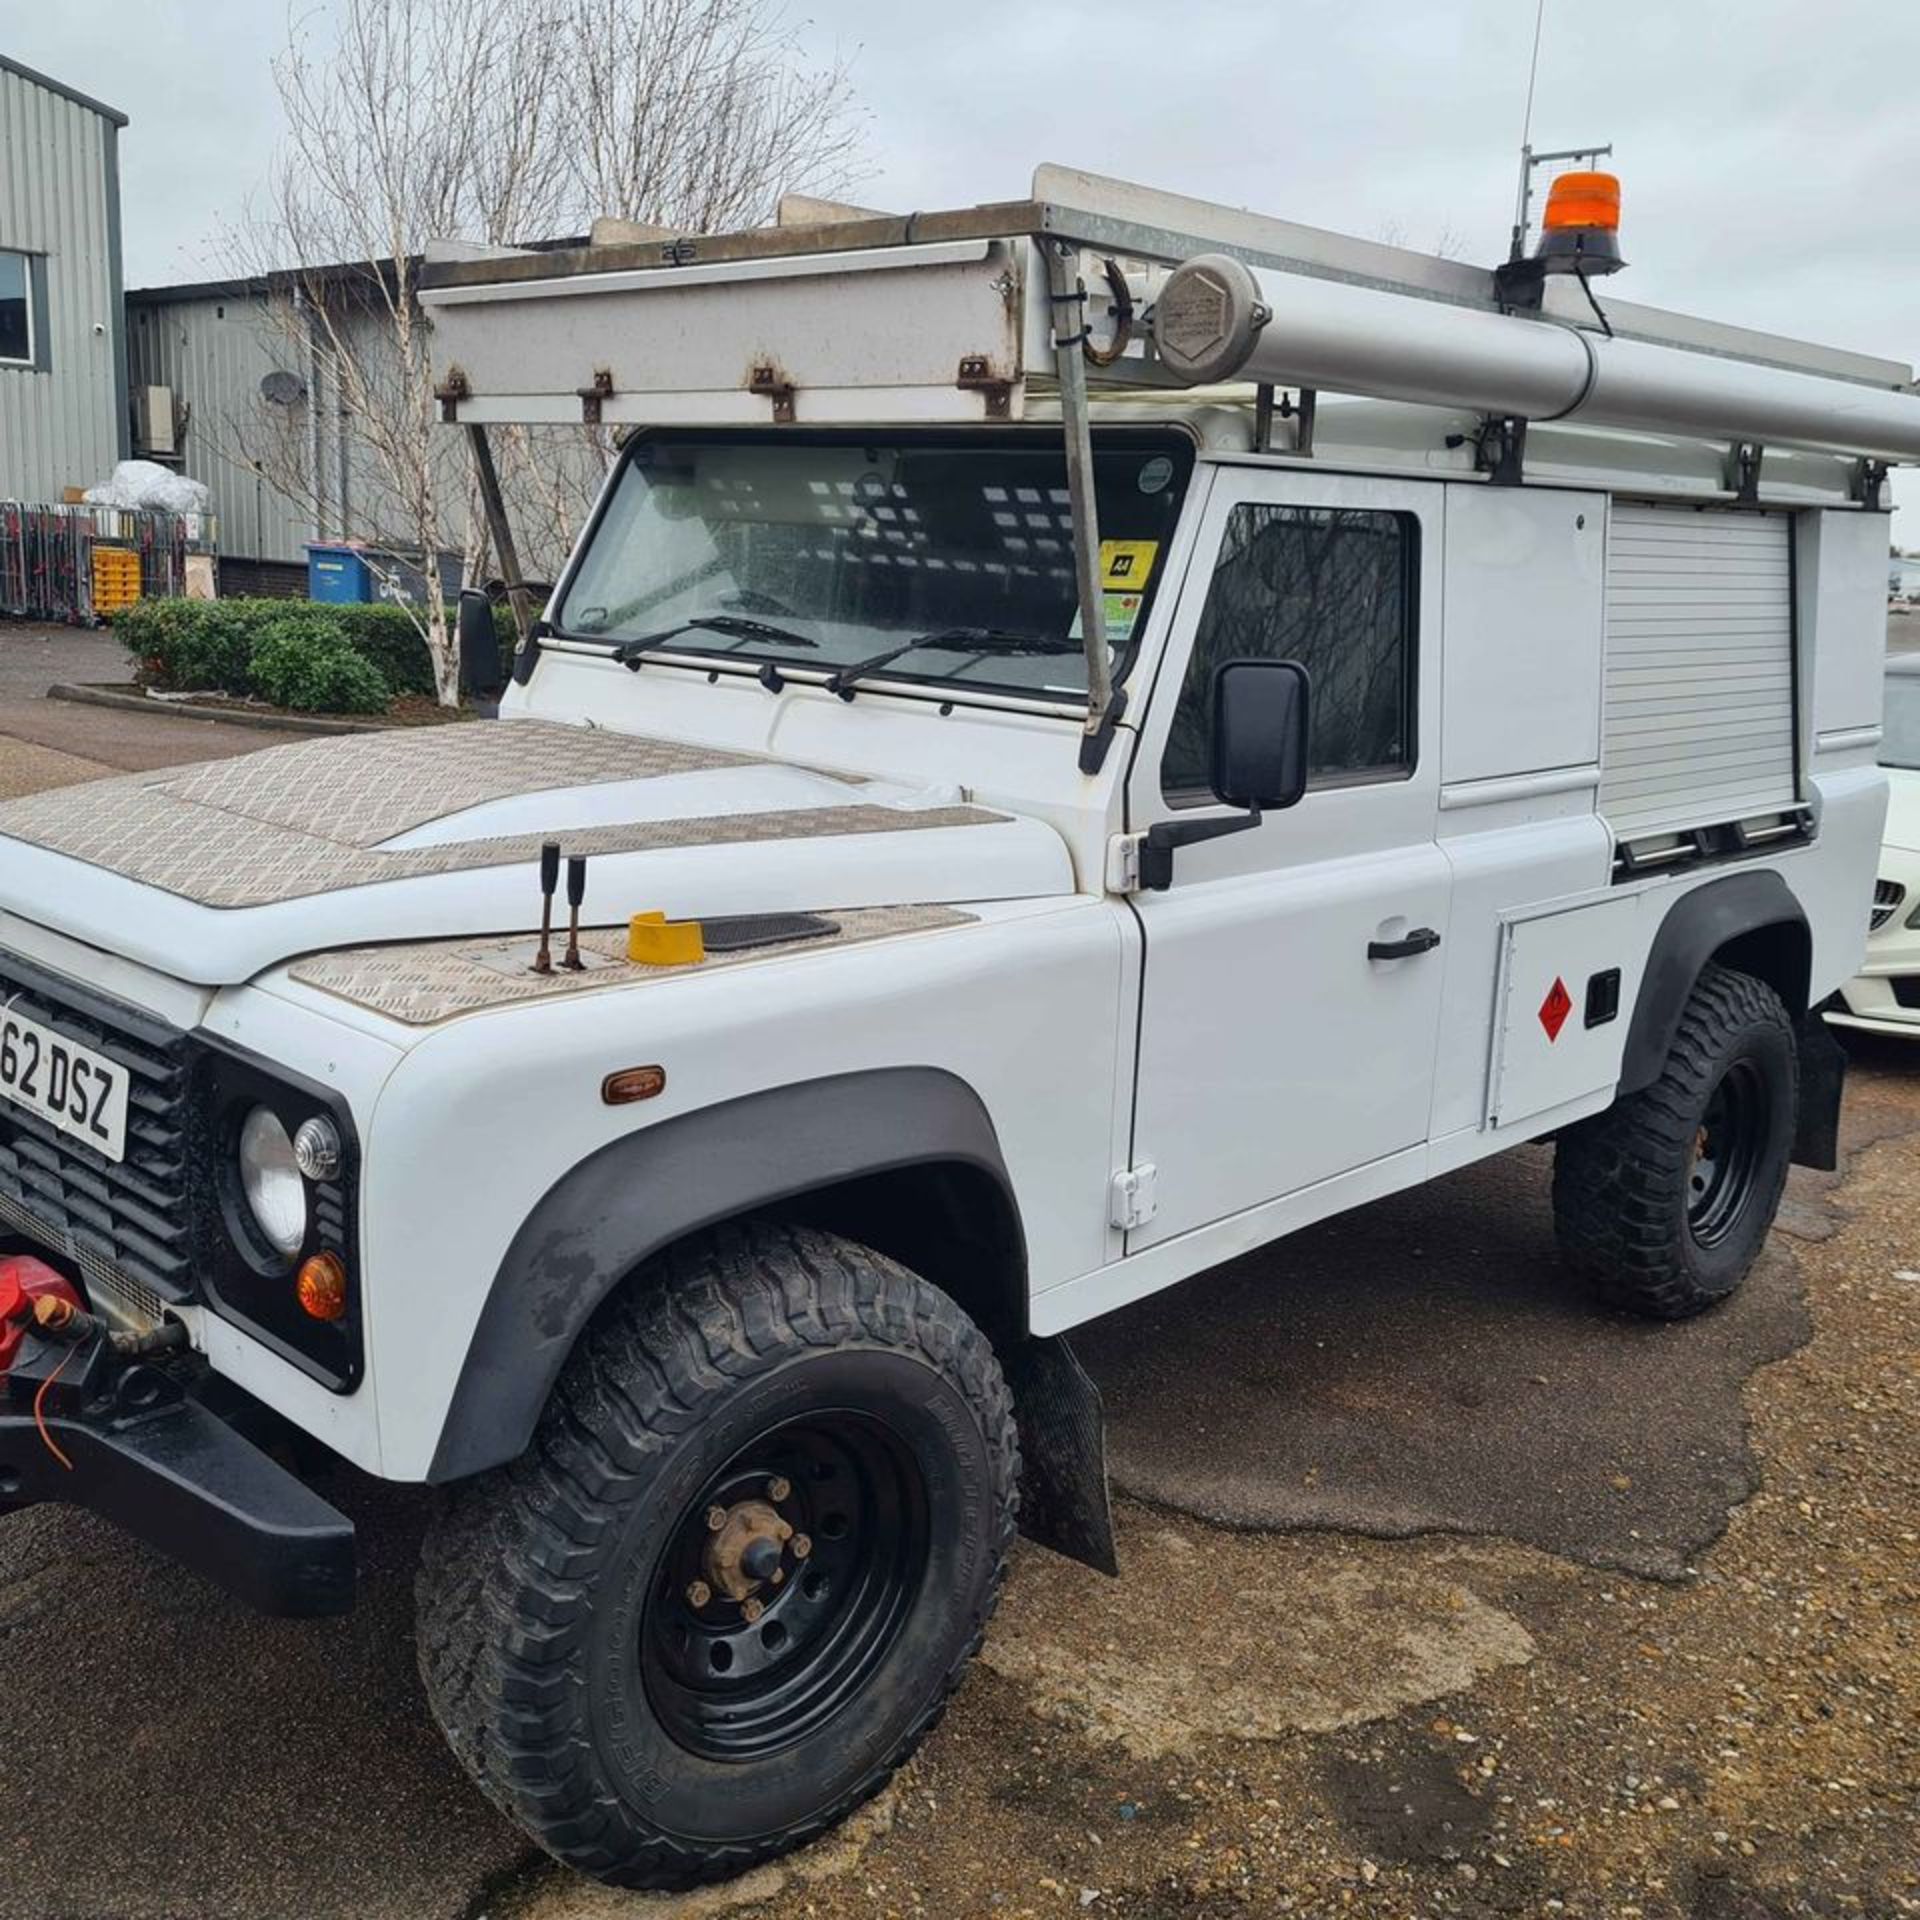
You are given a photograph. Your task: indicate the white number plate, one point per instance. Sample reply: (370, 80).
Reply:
(72, 1088)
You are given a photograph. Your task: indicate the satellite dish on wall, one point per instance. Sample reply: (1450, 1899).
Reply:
(281, 389)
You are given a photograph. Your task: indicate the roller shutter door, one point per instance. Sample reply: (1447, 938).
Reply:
(1699, 681)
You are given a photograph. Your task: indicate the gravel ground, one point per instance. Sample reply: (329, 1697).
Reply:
(1442, 1597)
(1251, 1721)
(26, 768)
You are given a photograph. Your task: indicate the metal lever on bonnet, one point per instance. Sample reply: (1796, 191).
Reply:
(549, 882)
(1420, 940)
(576, 892)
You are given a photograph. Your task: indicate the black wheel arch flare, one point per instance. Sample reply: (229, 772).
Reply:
(1752, 923)
(639, 1194)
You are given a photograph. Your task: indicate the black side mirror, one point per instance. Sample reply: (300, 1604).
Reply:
(1260, 733)
(481, 674)
(1260, 710)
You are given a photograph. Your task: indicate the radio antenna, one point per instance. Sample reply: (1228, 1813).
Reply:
(1518, 244)
(1533, 71)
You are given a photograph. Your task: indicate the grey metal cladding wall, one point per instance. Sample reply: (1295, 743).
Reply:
(214, 349)
(61, 427)
(213, 352)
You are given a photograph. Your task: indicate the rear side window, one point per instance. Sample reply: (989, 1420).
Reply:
(1330, 587)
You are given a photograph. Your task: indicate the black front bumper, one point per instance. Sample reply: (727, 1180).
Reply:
(183, 1480)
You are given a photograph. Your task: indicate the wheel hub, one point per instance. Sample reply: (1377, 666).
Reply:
(747, 1549)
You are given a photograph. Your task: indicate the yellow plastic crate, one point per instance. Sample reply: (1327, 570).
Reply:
(116, 578)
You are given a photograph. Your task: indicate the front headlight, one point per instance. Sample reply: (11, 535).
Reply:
(276, 1210)
(270, 1177)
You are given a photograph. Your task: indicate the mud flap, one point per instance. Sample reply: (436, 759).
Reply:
(1823, 1075)
(1064, 1502)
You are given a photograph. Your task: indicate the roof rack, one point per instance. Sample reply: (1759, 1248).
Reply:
(840, 316)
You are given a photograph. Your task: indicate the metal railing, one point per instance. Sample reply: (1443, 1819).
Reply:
(46, 554)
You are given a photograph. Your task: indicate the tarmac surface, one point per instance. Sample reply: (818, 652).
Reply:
(1276, 1392)
(1443, 1594)
(47, 743)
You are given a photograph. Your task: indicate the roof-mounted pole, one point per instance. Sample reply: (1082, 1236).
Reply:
(493, 503)
(1069, 299)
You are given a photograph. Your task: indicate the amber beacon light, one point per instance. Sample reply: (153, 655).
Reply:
(1579, 234)
(1583, 200)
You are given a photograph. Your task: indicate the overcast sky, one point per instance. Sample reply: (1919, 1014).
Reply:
(1769, 149)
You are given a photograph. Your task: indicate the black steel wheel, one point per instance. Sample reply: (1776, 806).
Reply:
(731, 1585)
(1729, 1153)
(750, 1647)
(1663, 1202)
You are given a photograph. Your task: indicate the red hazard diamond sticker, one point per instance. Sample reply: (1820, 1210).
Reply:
(1555, 1008)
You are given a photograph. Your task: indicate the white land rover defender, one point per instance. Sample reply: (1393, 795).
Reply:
(1101, 729)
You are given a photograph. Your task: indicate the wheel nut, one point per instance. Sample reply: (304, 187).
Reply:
(778, 1488)
(800, 1546)
(751, 1610)
(716, 1519)
(698, 1593)
(776, 1576)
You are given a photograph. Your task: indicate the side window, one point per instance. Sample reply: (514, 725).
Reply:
(1330, 587)
(16, 310)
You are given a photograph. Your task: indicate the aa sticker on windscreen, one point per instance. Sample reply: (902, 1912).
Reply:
(1127, 565)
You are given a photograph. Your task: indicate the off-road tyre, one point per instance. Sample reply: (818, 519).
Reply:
(1629, 1193)
(544, 1584)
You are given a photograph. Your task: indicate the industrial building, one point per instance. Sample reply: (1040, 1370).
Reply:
(203, 359)
(64, 418)
(235, 384)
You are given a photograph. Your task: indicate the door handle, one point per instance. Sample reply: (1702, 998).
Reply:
(1420, 940)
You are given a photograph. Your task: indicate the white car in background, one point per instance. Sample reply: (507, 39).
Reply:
(1884, 997)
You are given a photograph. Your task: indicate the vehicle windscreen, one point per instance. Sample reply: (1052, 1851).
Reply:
(1900, 725)
(833, 553)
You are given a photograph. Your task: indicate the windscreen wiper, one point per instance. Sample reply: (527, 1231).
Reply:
(629, 652)
(986, 641)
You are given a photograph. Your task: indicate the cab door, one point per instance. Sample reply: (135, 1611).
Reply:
(1292, 975)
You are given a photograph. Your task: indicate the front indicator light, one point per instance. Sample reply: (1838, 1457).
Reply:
(322, 1287)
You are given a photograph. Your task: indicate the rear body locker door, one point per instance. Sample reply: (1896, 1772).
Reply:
(1699, 670)
(1292, 985)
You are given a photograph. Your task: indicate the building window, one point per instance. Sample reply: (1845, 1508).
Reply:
(1332, 588)
(16, 310)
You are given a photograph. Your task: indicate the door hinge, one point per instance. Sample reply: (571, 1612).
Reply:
(1123, 862)
(1136, 1197)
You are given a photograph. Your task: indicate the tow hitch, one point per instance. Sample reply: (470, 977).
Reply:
(105, 1419)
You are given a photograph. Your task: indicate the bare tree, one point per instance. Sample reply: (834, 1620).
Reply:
(501, 122)
(693, 114)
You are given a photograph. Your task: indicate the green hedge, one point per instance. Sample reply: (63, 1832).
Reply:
(315, 669)
(310, 654)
